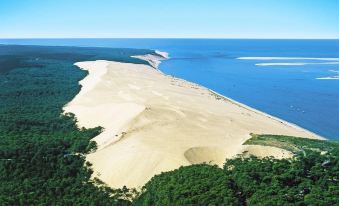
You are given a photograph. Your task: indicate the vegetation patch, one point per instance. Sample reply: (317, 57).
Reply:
(310, 178)
(294, 144)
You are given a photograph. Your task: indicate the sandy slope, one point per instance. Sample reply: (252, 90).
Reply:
(156, 123)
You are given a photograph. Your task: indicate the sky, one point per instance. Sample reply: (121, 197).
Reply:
(311, 19)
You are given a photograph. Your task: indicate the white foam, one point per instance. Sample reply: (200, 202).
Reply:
(329, 78)
(288, 58)
(280, 64)
(163, 54)
(295, 64)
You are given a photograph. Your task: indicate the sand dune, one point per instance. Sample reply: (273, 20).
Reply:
(155, 123)
(264, 151)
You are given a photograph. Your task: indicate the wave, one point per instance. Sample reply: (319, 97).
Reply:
(289, 58)
(295, 64)
(328, 78)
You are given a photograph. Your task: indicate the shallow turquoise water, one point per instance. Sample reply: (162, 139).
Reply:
(291, 92)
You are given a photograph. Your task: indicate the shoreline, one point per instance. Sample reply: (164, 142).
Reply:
(152, 59)
(154, 122)
(166, 56)
(287, 123)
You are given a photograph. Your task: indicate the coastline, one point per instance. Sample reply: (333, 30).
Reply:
(292, 125)
(155, 122)
(166, 56)
(154, 59)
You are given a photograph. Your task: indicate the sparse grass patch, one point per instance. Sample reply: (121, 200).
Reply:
(294, 144)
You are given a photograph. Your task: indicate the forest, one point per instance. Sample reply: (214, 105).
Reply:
(309, 178)
(42, 151)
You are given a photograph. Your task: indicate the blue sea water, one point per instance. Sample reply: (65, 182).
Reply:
(292, 92)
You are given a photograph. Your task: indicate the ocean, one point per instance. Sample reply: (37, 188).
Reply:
(295, 80)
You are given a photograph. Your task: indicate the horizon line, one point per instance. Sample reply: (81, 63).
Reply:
(215, 38)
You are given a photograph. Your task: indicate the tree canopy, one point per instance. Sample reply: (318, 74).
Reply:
(309, 178)
(42, 151)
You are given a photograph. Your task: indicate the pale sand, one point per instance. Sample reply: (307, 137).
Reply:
(155, 123)
(265, 151)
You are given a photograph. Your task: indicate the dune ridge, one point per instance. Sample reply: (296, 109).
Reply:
(155, 123)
